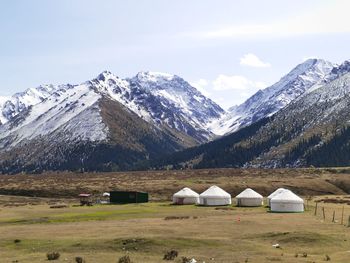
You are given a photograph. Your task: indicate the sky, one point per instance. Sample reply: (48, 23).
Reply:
(227, 49)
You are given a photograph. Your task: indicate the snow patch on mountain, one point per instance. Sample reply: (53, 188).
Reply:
(11, 106)
(194, 107)
(71, 112)
(65, 103)
(267, 102)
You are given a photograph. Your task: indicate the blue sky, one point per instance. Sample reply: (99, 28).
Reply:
(228, 49)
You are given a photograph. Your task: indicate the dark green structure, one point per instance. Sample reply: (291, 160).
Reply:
(127, 197)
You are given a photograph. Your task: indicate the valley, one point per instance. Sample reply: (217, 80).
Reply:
(145, 232)
(158, 120)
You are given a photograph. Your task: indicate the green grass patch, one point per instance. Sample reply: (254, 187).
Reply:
(105, 212)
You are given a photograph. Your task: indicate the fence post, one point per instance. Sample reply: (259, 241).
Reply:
(324, 214)
(316, 209)
(333, 220)
(342, 215)
(349, 221)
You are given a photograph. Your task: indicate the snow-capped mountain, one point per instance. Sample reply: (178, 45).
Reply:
(110, 123)
(158, 113)
(179, 105)
(313, 129)
(158, 98)
(11, 106)
(268, 101)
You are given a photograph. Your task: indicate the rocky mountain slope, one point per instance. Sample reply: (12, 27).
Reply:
(149, 121)
(313, 129)
(268, 101)
(116, 121)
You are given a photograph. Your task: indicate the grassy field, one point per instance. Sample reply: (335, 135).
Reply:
(103, 233)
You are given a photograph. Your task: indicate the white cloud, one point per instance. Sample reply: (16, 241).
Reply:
(224, 82)
(227, 90)
(201, 85)
(331, 17)
(253, 61)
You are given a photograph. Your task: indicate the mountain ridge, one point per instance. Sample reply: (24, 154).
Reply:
(109, 123)
(296, 136)
(268, 101)
(69, 118)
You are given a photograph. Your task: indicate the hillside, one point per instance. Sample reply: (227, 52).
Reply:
(312, 130)
(107, 123)
(270, 100)
(152, 119)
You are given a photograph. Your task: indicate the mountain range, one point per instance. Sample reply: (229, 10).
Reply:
(311, 130)
(158, 120)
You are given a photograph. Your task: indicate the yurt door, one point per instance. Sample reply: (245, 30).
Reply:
(205, 201)
(180, 201)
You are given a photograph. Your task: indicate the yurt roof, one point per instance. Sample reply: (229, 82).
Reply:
(215, 192)
(279, 190)
(186, 192)
(249, 193)
(287, 197)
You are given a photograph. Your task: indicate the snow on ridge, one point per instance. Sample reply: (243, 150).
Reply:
(149, 92)
(63, 110)
(267, 102)
(154, 76)
(49, 115)
(13, 105)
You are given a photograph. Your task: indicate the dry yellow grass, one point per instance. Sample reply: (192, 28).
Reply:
(97, 233)
(162, 184)
(104, 233)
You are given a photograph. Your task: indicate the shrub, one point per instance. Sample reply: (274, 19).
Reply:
(79, 260)
(304, 255)
(125, 259)
(170, 255)
(17, 241)
(53, 255)
(327, 258)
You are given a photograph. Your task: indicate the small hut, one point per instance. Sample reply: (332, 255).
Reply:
(286, 201)
(214, 196)
(127, 197)
(85, 199)
(249, 198)
(185, 196)
(276, 192)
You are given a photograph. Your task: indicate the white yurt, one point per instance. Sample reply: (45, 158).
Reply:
(249, 198)
(185, 196)
(213, 196)
(286, 201)
(276, 192)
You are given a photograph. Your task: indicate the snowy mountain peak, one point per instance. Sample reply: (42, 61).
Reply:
(105, 75)
(162, 100)
(150, 76)
(311, 70)
(11, 106)
(183, 107)
(266, 102)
